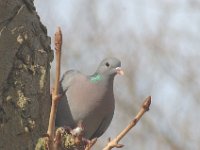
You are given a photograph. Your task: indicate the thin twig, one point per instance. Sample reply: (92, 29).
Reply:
(58, 44)
(114, 143)
(55, 94)
(90, 144)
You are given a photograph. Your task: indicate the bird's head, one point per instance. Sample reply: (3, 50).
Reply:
(110, 67)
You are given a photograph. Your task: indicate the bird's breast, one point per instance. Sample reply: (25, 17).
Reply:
(86, 98)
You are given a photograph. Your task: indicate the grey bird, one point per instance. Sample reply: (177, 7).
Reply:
(89, 99)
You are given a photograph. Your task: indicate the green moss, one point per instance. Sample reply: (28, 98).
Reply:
(22, 100)
(66, 141)
(41, 144)
(42, 77)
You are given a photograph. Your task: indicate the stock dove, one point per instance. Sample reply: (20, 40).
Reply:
(89, 99)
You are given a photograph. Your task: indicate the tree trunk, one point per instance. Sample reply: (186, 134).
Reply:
(25, 56)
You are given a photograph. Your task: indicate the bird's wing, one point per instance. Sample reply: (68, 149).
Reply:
(102, 126)
(67, 79)
(63, 115)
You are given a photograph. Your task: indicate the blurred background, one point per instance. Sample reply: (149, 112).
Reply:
(158, 43)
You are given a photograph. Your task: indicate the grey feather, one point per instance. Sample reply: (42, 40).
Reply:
(88, 98)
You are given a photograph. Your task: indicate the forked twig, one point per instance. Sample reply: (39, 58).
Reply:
(114, 143)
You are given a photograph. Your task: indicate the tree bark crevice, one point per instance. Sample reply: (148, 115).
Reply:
(25, 57)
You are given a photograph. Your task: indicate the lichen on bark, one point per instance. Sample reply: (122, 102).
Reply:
(25, 57)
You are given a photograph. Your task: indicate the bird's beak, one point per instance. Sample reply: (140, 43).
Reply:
(119, 71)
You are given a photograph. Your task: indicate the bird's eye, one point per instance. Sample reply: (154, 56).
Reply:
(107, 64)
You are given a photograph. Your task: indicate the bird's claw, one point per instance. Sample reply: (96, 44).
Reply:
(78, 131)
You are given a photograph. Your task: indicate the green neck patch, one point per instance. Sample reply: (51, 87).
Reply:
(95, 78)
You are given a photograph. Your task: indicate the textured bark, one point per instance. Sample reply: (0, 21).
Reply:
(25, 56)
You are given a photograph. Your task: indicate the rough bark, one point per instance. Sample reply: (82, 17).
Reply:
(25, 56)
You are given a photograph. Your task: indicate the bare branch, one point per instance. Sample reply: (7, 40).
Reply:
(55, 94)
(114, 143)
(58, 44)
(90, 144)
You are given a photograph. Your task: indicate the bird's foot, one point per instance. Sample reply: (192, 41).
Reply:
(79, 130)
